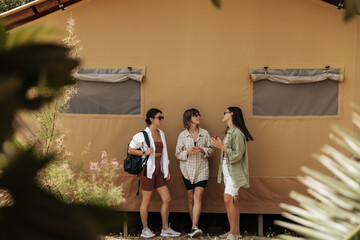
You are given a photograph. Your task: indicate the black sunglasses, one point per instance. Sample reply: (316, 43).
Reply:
(226, 112)
(196, 115)
(160, 118)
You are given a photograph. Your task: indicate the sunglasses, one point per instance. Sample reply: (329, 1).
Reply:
(226, 112)
(160, 118)
(196, 115)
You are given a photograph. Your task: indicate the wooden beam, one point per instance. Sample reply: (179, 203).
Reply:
(25, 14)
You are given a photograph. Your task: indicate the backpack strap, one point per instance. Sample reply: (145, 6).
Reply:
(146, 136)
(137, 194)
(147, 140)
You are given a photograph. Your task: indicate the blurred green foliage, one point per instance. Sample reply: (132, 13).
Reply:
(352, 8)
(42, 68)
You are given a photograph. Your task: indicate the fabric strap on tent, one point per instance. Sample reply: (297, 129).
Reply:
(296, 76)
(109, 75)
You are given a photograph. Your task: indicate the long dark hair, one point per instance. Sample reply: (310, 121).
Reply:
(151, 114)
(187, 116)
(238, 121)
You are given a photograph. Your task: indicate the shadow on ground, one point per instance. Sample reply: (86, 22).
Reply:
(212, 224)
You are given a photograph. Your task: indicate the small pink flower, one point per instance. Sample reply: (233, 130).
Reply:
(94, 166)
(103, 162)
(115, 163)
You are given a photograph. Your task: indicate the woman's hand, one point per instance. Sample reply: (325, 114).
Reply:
(149, 151)
(199, 149)
(168, 178)
(192, 151)
(216, 142)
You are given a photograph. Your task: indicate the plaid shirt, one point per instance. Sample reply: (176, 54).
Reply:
(195, 167)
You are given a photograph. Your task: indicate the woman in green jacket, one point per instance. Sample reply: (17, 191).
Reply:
(233, 168)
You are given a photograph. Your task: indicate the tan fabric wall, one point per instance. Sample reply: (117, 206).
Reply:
(198, 56)
(357, 64)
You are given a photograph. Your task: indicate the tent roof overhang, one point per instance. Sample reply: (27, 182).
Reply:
(33, 10)
(39, 8)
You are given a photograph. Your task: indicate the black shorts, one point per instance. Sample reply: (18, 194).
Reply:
(190, 186)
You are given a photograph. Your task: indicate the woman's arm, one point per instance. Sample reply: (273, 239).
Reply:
(137, 142)
(237, 148)
(139, 152)
(180, 151)
(208, 149)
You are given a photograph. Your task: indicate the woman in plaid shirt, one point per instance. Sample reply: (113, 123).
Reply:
(192, 149)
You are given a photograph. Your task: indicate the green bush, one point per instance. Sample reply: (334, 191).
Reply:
(74, 184)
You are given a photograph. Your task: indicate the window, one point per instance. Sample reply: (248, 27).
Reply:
(295, 92)
(108, 91)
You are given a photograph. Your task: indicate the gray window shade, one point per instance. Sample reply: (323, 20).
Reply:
(277, 99)
(107, 91)
(297, 94)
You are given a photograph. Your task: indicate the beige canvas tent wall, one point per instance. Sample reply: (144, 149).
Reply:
(198, 56)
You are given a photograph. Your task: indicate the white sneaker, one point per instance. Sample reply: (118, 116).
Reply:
(230, 237)
(147, 233)
(169, 233)
(225, 235)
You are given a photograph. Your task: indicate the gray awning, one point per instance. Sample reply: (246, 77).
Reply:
(109, 75)
(296, 76)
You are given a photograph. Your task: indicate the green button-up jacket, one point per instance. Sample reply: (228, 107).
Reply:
(236, 159)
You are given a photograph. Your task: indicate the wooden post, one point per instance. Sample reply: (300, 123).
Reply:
(260, 225)
(239, 221)
(125, 225)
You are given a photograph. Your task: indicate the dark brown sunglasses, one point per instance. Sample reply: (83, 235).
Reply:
(160, 118)
(196, 115)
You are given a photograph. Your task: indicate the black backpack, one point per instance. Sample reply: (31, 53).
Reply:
(133, 164)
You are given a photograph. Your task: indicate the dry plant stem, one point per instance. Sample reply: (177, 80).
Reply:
(53, 126)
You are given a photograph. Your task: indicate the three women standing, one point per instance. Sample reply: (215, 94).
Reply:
(192, 149)
(157, 172)
(233, 167)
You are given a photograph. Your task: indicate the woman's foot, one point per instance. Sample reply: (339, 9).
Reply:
(230, 237)
(227, 234)
(169, 233)
(147, 233)
(195, 232)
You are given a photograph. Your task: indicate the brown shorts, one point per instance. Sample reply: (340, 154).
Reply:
(157, 180)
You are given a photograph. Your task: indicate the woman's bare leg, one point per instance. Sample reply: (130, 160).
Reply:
(144, 207)
(198, 195)
(231, 212)
(166, 199)
(190, 197)
(237, 219)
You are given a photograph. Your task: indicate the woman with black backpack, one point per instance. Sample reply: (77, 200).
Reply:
(156, 171)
